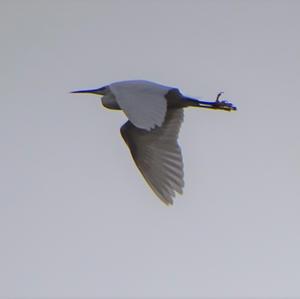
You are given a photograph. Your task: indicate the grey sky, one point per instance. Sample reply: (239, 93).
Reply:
(77, 219)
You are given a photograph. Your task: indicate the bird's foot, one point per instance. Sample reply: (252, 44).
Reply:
(223, 105)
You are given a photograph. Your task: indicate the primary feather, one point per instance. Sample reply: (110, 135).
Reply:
(158, 155)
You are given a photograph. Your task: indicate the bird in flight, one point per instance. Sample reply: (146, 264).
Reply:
(155, 114)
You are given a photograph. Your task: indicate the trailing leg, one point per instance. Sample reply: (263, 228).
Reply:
(217, 104)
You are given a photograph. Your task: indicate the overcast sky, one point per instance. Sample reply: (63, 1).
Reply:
(77, 219)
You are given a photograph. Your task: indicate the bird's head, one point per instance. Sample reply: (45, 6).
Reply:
(100, 91)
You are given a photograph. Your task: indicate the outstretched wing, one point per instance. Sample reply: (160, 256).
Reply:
(143, 102)
(157, 155)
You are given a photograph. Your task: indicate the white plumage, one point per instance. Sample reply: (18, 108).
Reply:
(144, 104)
(155, 114)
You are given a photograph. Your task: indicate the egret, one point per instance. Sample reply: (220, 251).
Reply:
(155, 114)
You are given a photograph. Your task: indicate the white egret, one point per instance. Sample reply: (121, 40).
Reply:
(155, 113)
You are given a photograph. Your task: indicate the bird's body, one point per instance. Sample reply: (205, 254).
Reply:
(155, 113)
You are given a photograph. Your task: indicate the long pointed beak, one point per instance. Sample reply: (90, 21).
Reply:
(94, 91)
(85, 91)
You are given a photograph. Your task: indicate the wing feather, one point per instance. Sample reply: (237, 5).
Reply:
(158, 155)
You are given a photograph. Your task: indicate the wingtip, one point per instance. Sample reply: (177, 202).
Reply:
(167, 203)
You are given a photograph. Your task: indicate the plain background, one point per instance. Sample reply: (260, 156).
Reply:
(77, 219)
